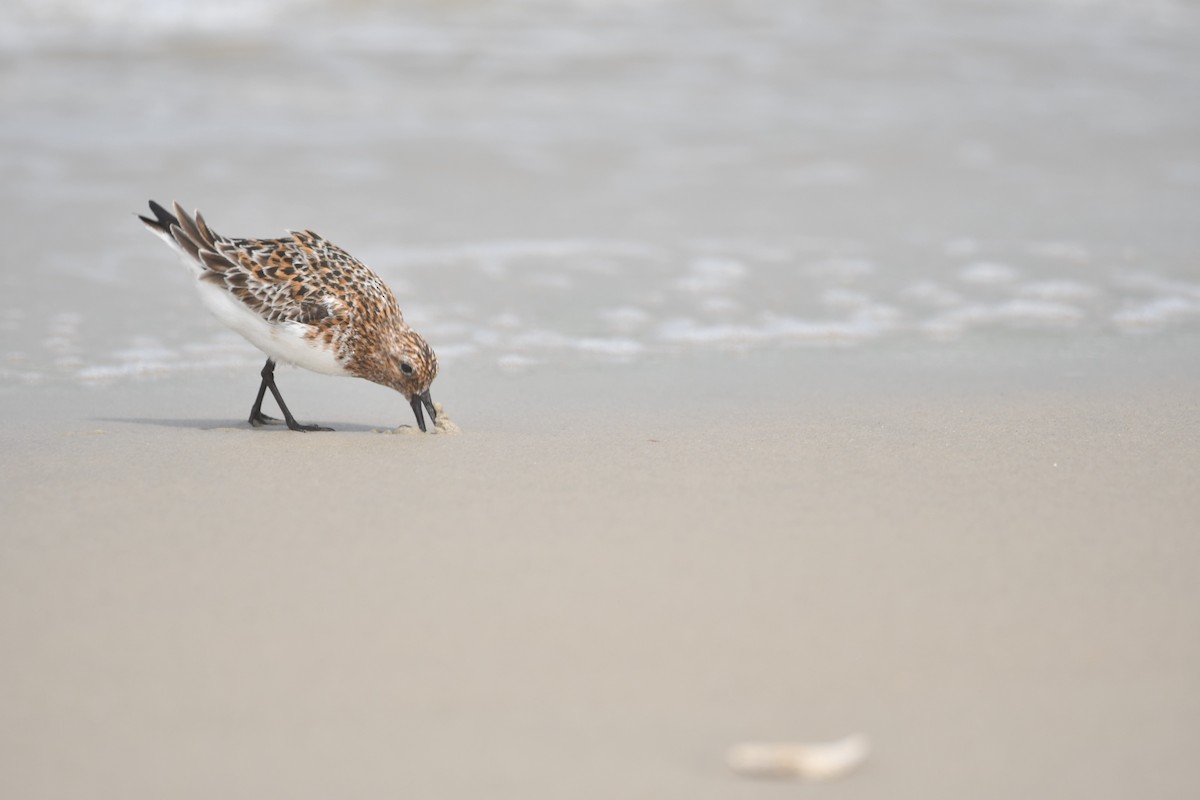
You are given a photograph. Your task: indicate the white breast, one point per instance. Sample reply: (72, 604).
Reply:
(284, 342)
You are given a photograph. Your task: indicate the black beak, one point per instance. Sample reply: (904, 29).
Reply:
(428, 401)
(416, 402)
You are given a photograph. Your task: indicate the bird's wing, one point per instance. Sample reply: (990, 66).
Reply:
(291, 279)
(275, 278)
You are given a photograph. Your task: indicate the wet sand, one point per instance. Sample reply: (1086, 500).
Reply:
(614, 574)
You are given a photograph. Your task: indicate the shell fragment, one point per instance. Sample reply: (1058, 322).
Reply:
(813, 761)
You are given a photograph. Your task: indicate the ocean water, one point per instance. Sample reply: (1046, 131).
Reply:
(608, 180)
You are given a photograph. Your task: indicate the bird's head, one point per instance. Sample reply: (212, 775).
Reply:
(413, 367)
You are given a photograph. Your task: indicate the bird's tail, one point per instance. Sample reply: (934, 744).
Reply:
(189, 235)
(163, 219)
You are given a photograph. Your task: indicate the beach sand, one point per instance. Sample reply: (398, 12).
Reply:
(823, 372)
(991, 570)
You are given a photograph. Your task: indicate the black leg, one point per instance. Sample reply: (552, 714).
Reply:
(268, 382)
(256, 416)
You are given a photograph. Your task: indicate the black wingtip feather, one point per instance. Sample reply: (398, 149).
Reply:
(165, 219)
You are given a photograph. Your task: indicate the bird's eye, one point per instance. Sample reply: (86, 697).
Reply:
(406, 368)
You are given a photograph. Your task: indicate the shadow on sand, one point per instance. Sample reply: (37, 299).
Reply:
(234, 425)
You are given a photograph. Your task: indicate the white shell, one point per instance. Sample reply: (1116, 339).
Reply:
(814, 761)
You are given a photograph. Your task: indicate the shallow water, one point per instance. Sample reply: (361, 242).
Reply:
(544, 182)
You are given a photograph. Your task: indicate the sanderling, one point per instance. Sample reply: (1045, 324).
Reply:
(303, 301)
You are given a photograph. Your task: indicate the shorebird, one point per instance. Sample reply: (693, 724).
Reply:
(303, 301)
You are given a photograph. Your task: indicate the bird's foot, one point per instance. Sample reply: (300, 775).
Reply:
(262, 419)
(296, 426)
